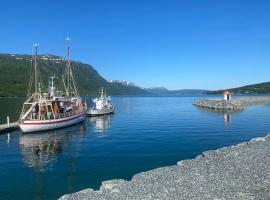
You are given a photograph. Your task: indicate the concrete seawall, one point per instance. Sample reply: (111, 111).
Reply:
(237, 104)
(4, 128)
(239, 172)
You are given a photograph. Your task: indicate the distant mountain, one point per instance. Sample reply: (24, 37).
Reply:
(15, 73)
(164, 91)
(260, 88)
(158, 90)
(189, 91)
(123, 82)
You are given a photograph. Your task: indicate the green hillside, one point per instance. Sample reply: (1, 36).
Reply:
(260, 88)
(15, 73)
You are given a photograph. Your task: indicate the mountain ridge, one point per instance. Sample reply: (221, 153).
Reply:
(258, 88)
(15, 70)
(163, 91)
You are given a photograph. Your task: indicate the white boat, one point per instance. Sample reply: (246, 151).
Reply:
(44, 125)
(102, 105)
(52, 110)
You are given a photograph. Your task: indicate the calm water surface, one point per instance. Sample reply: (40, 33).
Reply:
(143, 134)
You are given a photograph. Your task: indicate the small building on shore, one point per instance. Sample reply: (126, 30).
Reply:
(227, 95)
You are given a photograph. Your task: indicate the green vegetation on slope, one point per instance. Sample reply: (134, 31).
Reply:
(15, 75)
(260, 88)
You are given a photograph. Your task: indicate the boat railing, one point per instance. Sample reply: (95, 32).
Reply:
(67, 114)
(50, 115)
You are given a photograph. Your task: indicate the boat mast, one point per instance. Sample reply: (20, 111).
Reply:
(37, 78)
(51, 87)
(102, 92)
(71, 86)
(68, 67)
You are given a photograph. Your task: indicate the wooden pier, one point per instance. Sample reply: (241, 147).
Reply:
(8, 127)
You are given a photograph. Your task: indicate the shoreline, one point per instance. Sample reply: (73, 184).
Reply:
(235, 172)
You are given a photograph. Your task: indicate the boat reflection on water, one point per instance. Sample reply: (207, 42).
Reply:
(40, 150)
(101, 123)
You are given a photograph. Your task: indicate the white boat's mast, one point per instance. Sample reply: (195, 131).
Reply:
(68, 67)
(37, 78)
(71, 86)
(51, 86)
(65, 85)
(102, 93)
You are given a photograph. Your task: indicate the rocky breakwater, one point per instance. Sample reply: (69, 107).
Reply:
(217, 104)
(239, 173)
(237, 104)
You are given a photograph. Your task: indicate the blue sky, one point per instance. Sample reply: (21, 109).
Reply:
(178, 44)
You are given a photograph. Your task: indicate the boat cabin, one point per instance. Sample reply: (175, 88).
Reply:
(227, 95)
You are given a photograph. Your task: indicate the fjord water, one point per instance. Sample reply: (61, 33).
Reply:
(143, 134)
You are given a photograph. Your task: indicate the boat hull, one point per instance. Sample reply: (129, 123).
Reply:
(45, 125)
(96, 112)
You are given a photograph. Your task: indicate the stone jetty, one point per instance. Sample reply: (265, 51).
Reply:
(217, 104)
(238, 173)
(4, 128)
(237, 104)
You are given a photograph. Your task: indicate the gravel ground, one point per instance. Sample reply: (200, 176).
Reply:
(239, 172)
